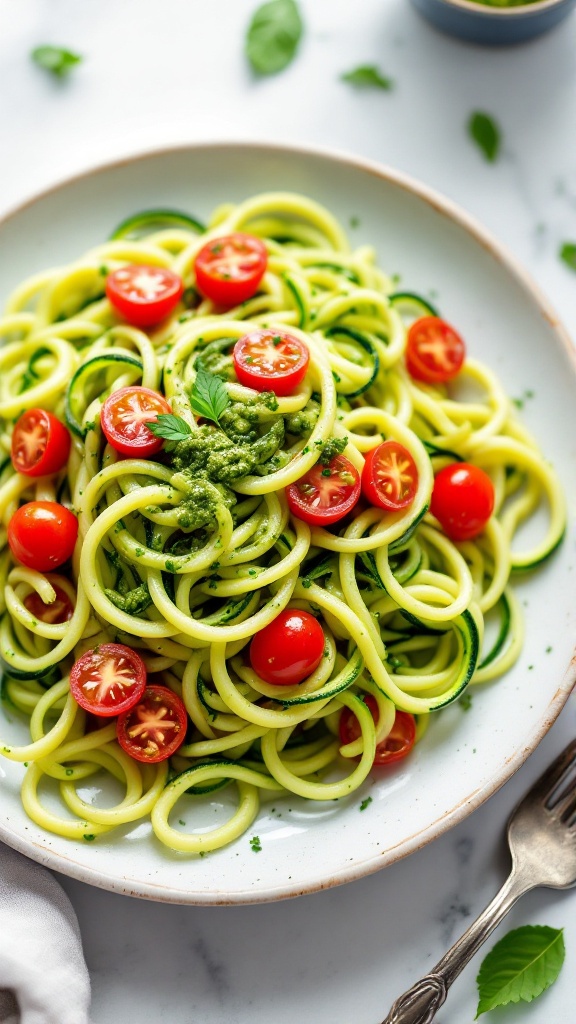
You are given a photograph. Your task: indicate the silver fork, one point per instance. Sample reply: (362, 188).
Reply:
(542, 840)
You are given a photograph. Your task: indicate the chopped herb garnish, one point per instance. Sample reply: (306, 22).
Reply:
(465, 701)
(255, 844)
(89, 837)
(486, 134)
(520, 967)
(273, 36)
(365, 803)
(55, 59)
(367, 76)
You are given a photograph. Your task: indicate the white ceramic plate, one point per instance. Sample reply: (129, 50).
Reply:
(438, 251)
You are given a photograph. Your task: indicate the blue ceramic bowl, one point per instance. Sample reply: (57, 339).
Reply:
(495, 26)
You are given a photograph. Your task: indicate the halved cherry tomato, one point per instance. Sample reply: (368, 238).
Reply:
(389, 477)
(40, 444)
(462, 500)
(325, 494)
(61, 609)
(155, 727)
(397, 744)
(229, 269)
(434, 350)
(124, 416)
(288, 649)
(42, 534)
(108, 680)
(270, 361)
(144, 295)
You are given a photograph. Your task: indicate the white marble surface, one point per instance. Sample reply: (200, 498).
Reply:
(170, 72)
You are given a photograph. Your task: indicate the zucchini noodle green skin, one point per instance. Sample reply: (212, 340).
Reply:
(403, 609)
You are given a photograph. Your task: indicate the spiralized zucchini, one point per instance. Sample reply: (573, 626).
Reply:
(402, 607)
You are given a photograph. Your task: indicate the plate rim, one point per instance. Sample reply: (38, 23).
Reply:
(445, 206)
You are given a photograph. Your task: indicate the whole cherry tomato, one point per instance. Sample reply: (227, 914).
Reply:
(462, 500)
(42, 534)
(288, 649)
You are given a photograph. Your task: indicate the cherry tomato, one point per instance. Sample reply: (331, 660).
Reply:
(144, 295)
(325, 494)
(288, 649)
(229, 269)
(434, 350)
(397, 744)
(270, 361)
(155, 727)
(42, 534)
(108, 680)
(124, 416)
(462, 500)
(389, 477)
(61, 609)
(40, 444)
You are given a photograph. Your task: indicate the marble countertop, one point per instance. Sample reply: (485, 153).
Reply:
(172, 72)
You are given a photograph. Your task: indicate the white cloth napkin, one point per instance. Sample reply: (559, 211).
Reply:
(43, 976)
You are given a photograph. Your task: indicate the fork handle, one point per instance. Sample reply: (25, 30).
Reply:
(420, 1004)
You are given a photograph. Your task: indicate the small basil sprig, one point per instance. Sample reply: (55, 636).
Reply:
(273, 36)
(209, 396)
(170, 428)
(520, 967)
(55, 59)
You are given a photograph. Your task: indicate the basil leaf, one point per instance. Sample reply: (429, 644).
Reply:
(520, 967)
(486, 134)
(169, 427)
(209, 396)
(273, 36)
(568, 254)
(56, 60)
(367, 76)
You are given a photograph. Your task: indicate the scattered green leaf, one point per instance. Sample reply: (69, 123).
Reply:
(255, 844)
(365, 803)
(209, 396)
(520, 967)
(368, 76)
(170, 428)
(486, 134)
(568, 254)
(273, 36)
(55, 59)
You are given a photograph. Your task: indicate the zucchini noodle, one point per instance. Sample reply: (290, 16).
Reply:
(403, 608)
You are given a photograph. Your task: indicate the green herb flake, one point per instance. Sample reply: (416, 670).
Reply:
(367, 76)
(567, 254)
(548, 650)
(465, 701)
(354, 222)
(89, 837)
(365, 803)
(58, 61)
(180, 822)
(70, 771)
(520, 967)
(273, 36)
(486, 134)
(209, 396)
(255, 844)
